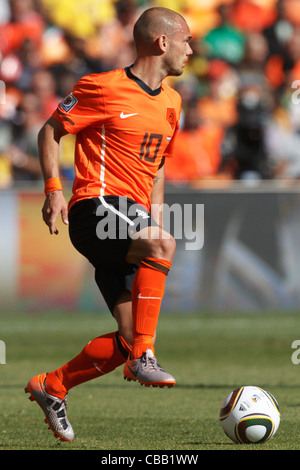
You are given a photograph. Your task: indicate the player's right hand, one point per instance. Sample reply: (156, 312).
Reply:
(54, 205)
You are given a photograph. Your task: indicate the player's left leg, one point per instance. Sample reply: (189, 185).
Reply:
(154, 251)
(54, 408)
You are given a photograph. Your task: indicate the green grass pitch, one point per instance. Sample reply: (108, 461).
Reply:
(209, 355)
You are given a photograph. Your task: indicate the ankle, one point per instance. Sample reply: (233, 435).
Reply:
(54, 385)
(140, 345)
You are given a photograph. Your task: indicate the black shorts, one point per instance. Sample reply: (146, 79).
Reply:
(101, 229)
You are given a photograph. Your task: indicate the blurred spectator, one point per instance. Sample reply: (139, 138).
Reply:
(226, 41)
(218, 105)
(25, 24)
(116, 36)
(4, 11)
(22, 152)
(78, 18)
(6, 176)
(237, 91)
(20, 39)
(254, 15)
(78, 63)
(283, 130)
(283, 146)
(244, 150)
(44, 88)
(291, 11)
(197, 152)
(279, 32)
(252, 69)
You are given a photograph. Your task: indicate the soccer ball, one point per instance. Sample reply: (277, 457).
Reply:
(250, 415)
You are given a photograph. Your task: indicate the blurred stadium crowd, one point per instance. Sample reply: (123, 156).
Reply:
(240, 118)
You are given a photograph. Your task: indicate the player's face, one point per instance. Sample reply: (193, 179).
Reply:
(179, 50)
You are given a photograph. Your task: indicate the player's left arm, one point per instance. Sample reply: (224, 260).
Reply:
(157, 195)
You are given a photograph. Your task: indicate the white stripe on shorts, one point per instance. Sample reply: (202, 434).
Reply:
(115, 211)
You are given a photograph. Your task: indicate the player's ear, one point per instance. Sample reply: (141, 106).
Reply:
(162, 42)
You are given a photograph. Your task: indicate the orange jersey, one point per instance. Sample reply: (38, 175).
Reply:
(123, 130)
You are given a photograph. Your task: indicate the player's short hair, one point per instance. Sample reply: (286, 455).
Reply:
(153, 22)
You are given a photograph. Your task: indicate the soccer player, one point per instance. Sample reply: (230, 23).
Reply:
(125, 123)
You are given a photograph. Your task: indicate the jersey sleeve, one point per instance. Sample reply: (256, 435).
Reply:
(83, 107)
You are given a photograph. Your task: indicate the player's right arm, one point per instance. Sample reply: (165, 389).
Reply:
(77, 111)
(48, 144)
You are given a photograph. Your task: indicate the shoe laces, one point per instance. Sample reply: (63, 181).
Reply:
(149, 362)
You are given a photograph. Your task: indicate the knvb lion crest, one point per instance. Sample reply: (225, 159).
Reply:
(171, 117)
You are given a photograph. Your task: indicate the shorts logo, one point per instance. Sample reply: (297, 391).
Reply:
(171, 117)
(142, 214)
(68, 103)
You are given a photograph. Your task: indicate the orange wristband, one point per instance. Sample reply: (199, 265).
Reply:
(52, 184)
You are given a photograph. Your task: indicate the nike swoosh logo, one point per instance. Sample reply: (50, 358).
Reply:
(141, 297)
(125, 116)
(131, 370)
(96, 365)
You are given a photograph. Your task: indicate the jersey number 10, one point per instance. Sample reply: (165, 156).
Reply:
(150, 147)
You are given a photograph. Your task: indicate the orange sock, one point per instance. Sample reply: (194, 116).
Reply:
(147, 293)
(99, 357)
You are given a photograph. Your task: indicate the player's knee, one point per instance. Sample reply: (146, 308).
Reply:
(163, 248)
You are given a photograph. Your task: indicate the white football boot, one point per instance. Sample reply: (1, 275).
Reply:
(54, 408)
(147, 371)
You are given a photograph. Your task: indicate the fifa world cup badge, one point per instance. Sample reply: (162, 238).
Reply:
(68, 103)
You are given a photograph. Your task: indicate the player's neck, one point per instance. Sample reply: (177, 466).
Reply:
(145, 71)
